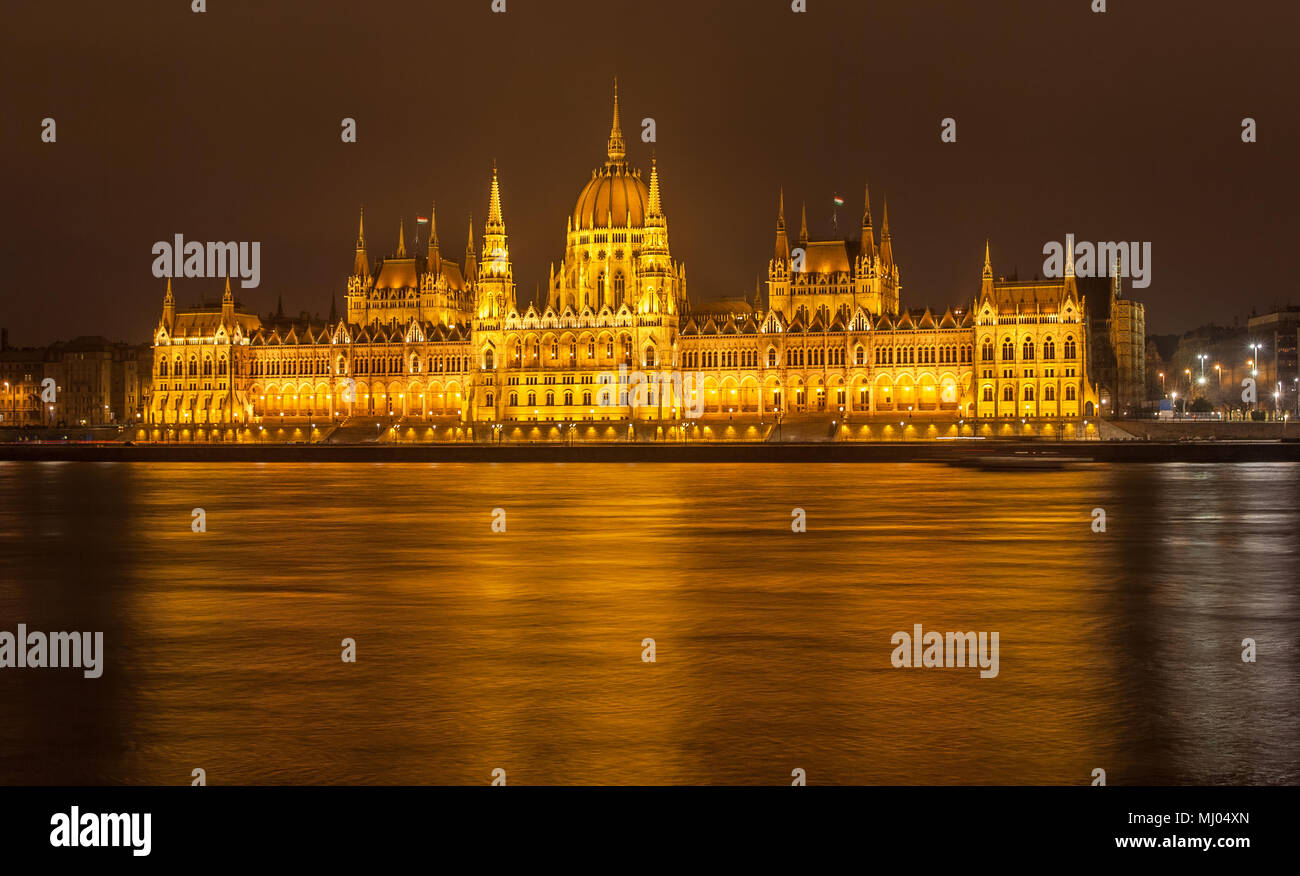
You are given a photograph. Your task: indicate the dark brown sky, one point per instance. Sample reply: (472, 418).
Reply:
(225, 126)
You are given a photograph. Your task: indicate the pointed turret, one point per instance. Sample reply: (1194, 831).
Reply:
(495, 223)
(169, 306)
(401, 239)
(471, 262)
(435, 257)
(782, 245)
(886, 240)
(868, 232)
(656, 207)
(988, 263)
(617, 148)
(361, 267)
(228, 305)
(803, 224)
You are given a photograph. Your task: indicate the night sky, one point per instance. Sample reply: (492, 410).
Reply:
(225, 126)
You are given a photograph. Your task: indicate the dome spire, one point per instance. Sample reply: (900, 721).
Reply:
(617, 148)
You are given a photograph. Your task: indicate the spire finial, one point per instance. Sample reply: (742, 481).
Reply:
(361, 230)
(655, 206)
(226, 296)
(988, 264)
(803, 223)
(780, 210)
(617, 148)
(494, 205)
(866, 205)
(401, 239)
(884, 222)
(168, 296)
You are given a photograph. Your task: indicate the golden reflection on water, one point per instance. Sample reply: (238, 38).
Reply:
(522, 650)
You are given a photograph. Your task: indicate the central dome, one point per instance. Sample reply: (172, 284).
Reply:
(616, 195)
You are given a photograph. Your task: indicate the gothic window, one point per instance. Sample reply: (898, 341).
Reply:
(586, 398)
(550, 399)
(1029, 393)
(988, 393)
(1070, 351)
(162, 368)
(514, 399)
(609, 350)
(987, 352)
(532, 399)
(1049, 393)
(771, 357)
(619, 285)
(1069, 393)
(1008, 350)
(194, 367)
(1049, 349)
(487, 360)
(415, 364)
(568, 398)
(1009, 393)
(490, 400)
(649, 357)
(591, 349)
(221, 367)
(555, 350)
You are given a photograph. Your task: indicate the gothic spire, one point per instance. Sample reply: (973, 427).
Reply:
(803, 224)
(617, 148)
(361, 266)
(655, 206)
(401, 239)
(988, 264)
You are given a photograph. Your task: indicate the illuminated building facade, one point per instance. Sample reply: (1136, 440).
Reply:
(424, 339)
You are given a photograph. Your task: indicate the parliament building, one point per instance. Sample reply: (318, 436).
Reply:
(434, 349)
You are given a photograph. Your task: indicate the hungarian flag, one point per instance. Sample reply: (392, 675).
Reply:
(839, 202)
(422, 220)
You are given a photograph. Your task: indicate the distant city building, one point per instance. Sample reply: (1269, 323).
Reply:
(1278, 334)
(96, 382)
(423, 337)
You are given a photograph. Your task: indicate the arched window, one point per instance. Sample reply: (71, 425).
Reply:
(162, 368)
(1049, 393)
(988, 393)
(555, 349)
(532, 399)
(221, 367)
(1070, 351)
(415, 364)
(194, 366)
(1009, 393)
(1049, 349)
(771, 357)
(609, 350)
(487, 360)
(1029, 393)
(591, 349)
(1027, 349)
(490, 400)
(987, 351)
(514, 399)
(550, 399)
(619, 285)
(649, 357)
(1008, 350)
(586, 398)
(1069, 393)
(568, 398)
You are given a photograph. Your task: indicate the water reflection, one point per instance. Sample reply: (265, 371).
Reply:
(521, 649)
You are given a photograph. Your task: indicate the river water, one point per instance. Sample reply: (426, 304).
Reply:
(523, 649)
